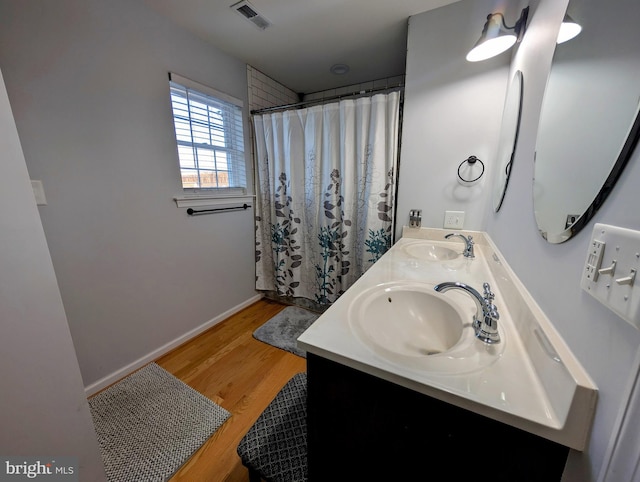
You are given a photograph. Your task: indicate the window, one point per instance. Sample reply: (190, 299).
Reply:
(210, 137)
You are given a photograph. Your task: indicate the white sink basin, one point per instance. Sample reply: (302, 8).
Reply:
(410, 324)
(430, 252)
(410, 320)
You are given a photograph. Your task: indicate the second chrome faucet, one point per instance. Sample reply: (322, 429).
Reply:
(468, 244)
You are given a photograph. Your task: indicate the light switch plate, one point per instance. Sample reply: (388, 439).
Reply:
(609, 273)
(38, 192)
(453, 219)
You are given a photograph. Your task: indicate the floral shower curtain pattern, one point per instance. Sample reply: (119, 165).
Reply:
(325, 182)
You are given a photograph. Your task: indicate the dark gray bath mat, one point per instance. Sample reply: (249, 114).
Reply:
(283, 330)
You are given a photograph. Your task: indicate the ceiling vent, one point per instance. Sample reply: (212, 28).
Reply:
(249, 12)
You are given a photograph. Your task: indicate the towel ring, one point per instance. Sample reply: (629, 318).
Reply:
(470, 160)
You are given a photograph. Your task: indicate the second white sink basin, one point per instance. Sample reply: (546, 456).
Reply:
(410, 324)
(430, 252)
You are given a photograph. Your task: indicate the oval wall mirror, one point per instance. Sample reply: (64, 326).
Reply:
(589, 123)
(508, 138)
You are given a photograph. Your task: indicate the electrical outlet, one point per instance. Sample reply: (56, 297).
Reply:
(453, 219)
(571, 219)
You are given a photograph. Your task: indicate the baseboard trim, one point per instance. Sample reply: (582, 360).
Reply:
(155, 354)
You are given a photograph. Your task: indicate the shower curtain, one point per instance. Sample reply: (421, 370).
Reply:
(325, 187)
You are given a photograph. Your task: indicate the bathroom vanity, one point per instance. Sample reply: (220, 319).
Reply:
(361, 427)
(400, 388)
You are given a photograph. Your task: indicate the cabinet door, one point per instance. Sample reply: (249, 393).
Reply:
(365, 428)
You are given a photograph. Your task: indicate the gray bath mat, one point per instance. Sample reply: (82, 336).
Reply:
(150, 423)
(283, 330)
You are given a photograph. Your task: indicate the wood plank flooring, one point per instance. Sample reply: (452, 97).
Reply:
(239, 373)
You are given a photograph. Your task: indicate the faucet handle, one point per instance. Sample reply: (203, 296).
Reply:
(493, 312)
(488, 294)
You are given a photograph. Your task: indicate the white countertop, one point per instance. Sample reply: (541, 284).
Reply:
(523, 386)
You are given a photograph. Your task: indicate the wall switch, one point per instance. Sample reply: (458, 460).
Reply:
(610, 270)
(454, 219)
(38, 192)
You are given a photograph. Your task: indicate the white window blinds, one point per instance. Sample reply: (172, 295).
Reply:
(209, 136)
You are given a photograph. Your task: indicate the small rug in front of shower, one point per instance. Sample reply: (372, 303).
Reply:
(283, 329)
(150, 423)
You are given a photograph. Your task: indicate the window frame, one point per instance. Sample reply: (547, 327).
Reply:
(210, 196)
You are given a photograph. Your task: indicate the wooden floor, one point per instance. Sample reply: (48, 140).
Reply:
(240, 374)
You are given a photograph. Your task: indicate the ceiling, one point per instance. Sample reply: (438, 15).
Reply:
(306, 37)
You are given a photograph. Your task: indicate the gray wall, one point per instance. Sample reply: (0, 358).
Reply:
(87, 80)
(44, 409)
(604, 343)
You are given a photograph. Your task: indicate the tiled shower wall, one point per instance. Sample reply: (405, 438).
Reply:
(266, 92)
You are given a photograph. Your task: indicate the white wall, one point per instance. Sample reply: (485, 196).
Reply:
(452, 111)
(447, 118)
(87, 80)
(603, 342)
(44, 409)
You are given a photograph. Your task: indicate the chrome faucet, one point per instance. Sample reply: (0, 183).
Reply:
(468, 244)
(485, 321)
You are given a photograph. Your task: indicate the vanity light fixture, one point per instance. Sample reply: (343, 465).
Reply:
(497, 36)
(568, 30)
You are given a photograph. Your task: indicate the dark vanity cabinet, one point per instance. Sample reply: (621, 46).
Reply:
(363, 428)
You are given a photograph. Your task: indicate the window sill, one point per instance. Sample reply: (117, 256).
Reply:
(211, 200)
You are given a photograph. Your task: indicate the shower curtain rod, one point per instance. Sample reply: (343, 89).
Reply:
(327, 99)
